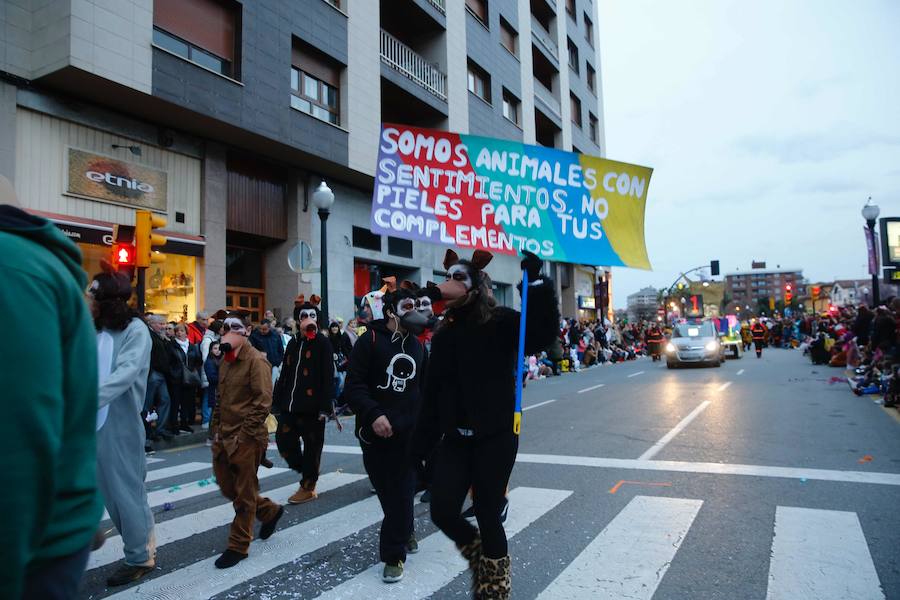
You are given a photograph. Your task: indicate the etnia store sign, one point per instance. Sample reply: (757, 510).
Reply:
(111, 180)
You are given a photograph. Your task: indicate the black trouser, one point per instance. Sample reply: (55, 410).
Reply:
(392, 475)
(484, 465)
(304, 459)
(759, 346)
(187, 404)
(58, 578)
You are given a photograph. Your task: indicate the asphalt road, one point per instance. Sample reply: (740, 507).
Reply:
(757, 479)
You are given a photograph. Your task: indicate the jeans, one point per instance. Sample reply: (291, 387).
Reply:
(339, 377)
(56, 579)
(158, 393)
(205, 408)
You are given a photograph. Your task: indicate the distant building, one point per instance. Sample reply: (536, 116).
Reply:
(643, 304)
(749, 287)
(851, 292)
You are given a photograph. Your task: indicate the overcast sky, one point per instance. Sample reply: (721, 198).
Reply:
(767, 124)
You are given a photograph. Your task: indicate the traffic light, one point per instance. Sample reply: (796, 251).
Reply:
(816, 290)
(123, 255)
(147, 240)
(788, 294)
(714, 268)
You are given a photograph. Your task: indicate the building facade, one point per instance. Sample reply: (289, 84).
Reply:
(224, 116)
(759, 284)
(642, 304)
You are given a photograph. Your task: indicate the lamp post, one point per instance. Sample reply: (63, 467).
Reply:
(870, 213)
(323, 198)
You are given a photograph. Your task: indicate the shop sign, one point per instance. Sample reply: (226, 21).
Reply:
(112, 180)
(587, 302)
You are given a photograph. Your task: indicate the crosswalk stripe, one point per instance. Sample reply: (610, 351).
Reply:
(151, 460)
(438, 561)
(190, 490)
(210, 518)
(157, 474)
(821, 555)
(203, 580)
(630, 556)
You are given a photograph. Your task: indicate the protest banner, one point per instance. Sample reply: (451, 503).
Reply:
(506, 196)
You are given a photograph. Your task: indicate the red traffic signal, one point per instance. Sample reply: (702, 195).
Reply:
(123, 255)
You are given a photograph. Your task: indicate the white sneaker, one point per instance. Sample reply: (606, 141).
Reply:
(205, 425)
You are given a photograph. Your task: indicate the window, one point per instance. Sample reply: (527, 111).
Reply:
(570, 8)
(575, 105)
(479, 82)
(479, 10)
(201, 31)
(510, 106)
(588, 30)
(591, 76)
(573, 55)
(508, 37)
(594, 129)
(400, 247)
(315, 81)
(365, 239)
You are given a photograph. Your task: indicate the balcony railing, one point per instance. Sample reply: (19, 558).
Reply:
(547, 98)
(404, 59)
(544, 38)
(439, 4)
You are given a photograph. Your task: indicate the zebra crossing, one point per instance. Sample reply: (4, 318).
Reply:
(815, 553)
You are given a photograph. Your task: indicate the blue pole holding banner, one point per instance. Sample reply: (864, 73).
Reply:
(520, 369)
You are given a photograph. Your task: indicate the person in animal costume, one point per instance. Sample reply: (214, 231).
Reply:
(241, 437)
(383, 387)
(305, 396)
(123, 354)
(470, 402)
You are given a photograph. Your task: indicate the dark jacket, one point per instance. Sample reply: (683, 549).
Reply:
(50, 506)
(471, 379)
(386, 377)
(862, 327)
(884, 332)
(193, 359)
(306, 383)
(269, 344)
(342, 347)
(159, 354)
(211, 368)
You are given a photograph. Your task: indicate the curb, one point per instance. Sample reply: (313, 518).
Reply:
(185, 439)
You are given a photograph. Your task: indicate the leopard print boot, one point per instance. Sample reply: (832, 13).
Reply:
(472, 553)
(494, 579)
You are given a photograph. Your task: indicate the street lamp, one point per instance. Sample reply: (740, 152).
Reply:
(870, 213)
(323, 198)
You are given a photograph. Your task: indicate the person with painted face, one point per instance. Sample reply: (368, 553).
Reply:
(342, 347)
(305, 396)
(469, 404)
(241, 438)
(384, 389)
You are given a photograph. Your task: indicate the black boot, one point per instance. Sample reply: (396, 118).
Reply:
(127, 574)
(268, 528)
(229, 558)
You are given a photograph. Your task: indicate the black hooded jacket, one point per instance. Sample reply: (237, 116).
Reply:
(306, 383)
(471, 380)
(386, 377)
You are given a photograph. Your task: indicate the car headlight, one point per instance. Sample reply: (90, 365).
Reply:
(670, 347)
(712, 345)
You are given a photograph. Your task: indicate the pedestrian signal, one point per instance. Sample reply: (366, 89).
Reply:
(123, 255)
(147, 240)
(788, 294)
(816, 290)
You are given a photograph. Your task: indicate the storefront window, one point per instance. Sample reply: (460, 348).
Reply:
(170, 286)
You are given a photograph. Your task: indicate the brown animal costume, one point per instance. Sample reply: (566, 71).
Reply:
(470, 401)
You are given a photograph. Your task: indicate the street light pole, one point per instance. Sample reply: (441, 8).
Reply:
(870, 213)
(323, 198)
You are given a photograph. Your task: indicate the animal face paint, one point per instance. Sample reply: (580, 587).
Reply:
(309, 325)
(234, 337)
(459, 273)
(423, 305)
(458, 283)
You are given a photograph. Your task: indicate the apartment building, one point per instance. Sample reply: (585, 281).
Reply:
(231, 112)
(760, 284)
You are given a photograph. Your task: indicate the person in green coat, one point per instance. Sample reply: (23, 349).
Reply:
(50, 506)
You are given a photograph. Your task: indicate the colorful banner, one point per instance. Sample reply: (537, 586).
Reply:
(505, 197)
